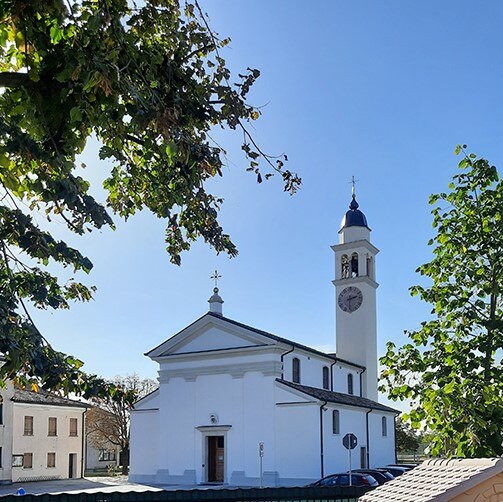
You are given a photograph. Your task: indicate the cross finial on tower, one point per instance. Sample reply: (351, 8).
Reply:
(215, 277)
(353, 188)
(216, 301)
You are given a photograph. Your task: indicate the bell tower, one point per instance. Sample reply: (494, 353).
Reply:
(355, 286)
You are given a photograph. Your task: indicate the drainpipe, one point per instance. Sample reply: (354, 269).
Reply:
(394, 434)
(361, 388)
(368, 438)
(321, 441)
(282, 356)
(332, 375)
(84, 446)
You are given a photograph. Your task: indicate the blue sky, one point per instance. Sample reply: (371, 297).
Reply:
(379, 90)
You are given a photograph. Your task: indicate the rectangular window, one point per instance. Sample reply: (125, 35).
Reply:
(27, 460)
(350, 383)
(336, 428)
(384, 426)
(107, 456)
(28, 426)
(51, 459)
(295, 370)
(53, 427)
(73, 427)
(1, 412)
(326, 379)
(1, 457)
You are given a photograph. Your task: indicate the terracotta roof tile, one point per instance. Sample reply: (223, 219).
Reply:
(44, 397)
(436, 480)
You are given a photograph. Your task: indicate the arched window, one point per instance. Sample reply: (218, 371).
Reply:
(384, 424)
(326, 380)
(296, 370)
(354, 265)
(345, 272)
(350, 383)
(336, 427)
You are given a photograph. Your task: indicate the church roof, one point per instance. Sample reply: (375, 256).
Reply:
(44, 397)
(285, 340)
(338, 397)
(354, 217)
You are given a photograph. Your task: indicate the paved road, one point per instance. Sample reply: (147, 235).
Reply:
(84, 485)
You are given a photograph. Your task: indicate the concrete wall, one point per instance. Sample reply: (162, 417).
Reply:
(382, 448)
(40, 443)
(298, 443)
(144, 446)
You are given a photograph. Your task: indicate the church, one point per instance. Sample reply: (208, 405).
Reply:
(240, 406)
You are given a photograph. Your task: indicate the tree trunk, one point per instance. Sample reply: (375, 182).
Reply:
(124, 461)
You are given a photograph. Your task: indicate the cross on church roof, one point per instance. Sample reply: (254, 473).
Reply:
(353, 182)
(215, 277)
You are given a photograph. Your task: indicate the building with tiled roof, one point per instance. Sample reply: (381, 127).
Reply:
(45, 398)
(440, 480)
(41, 435)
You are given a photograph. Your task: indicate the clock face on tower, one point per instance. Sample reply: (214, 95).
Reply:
(350, 299)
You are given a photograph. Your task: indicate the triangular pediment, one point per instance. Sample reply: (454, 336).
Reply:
(209, 333)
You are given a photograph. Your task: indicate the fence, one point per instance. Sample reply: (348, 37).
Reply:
(291, 494)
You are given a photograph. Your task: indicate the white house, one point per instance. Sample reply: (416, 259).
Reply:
(101, 459)
(41, 436)
(228, 390)
(47, 436)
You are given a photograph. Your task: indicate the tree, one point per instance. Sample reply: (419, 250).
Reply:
(150, 83)
(452, 369)
(407, 439)
(108, 421)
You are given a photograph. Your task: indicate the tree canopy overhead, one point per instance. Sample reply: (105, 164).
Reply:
(149, 81)
(451, 369)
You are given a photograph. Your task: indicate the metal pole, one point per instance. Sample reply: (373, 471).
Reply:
(261, 456)
(261, 474)
(350, 477)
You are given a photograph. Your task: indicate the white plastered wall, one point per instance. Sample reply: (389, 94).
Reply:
(39, 444)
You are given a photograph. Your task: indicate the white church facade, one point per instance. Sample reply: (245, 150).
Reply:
(228, 390)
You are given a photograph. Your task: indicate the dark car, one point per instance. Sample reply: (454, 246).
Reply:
(405, 466)
(380, 476)
(342, 479)
(396, 471)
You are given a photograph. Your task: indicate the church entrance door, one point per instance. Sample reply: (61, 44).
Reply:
(215, 459)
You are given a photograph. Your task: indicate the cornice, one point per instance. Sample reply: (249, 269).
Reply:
(213, 428)
(218, 353)
(355, 244)
(237, 370)
(361, 279)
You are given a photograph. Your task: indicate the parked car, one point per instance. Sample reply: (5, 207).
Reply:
(396, 471)
(342, 479)
(406, 466)
(380, 476)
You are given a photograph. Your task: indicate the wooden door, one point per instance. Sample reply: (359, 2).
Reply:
(72, 464)
(216, 459)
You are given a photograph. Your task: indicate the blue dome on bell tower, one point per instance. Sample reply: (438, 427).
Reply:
(354, 217)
